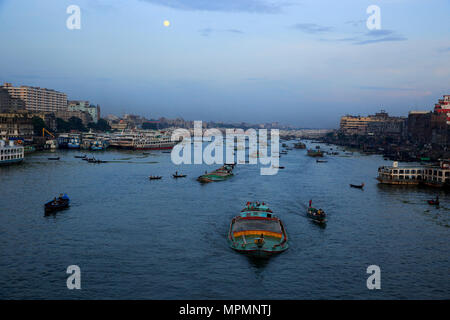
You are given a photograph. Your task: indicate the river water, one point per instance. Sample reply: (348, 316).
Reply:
(166, 239)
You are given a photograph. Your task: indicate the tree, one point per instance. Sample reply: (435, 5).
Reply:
(76, 124)
(38, 125)
(101, 125)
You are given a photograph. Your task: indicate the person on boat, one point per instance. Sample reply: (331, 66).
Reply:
(310, 203)
(260, 240)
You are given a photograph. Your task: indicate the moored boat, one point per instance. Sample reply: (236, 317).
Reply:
(155, 177)
(257, 232)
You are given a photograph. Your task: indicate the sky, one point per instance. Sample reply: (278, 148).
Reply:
(299, 62)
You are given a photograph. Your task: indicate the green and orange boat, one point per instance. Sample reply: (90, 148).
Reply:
(257, 232)
(221, 174)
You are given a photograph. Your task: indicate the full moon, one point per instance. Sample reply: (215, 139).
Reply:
(166, 23)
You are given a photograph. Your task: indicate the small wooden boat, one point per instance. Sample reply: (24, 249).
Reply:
(257, 232)
(317, 215)
(278, 167)
(321, 161)
(357, 186)
(53, 158)
(155, 177)
(81, 157)
(434, 202)
(179, 175)
(57, 204)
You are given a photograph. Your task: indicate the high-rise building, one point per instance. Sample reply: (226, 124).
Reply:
(9, 104)
(38, 99)
(80, 105)
(443, 106)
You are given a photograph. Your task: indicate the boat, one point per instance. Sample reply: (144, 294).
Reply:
(358, 186)
(74, 141)
(317, 215)
(155, 177)
(99, 144)
(434, 202)
(257, 232)
(93, 160)
(299, 145)
(321, 161)
(53, 158)
(176, 175)
(221, 174)
(80, 157)
(57, 204)
(315, 153)
(11, 153)
(154, 142)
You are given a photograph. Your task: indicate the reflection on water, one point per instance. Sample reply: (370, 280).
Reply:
(166, 239)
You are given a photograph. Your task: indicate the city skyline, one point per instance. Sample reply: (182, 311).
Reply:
(300, 63)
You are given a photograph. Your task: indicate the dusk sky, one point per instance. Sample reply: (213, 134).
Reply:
(299, 62)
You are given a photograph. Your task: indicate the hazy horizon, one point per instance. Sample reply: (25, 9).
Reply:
(294, 62)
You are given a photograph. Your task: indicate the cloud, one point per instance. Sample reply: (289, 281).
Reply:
(312, 28)
(385, 88)
(356, 23)
(257, 6)
(373, 36)
(443, 50)
(207, 31)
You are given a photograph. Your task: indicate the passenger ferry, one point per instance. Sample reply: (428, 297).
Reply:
(11, 153)
(74, 141)
(430, 175)
(142, 140)
(154, 143)
(400, 175)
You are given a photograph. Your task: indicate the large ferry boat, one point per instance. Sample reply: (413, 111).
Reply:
(11, 153)
(154, 143)
(142, 140)
(430, 175)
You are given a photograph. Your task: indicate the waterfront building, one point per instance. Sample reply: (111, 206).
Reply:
(38, 99)
(84, 106)
(379, 124)
(16, 126)
(11, 153)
